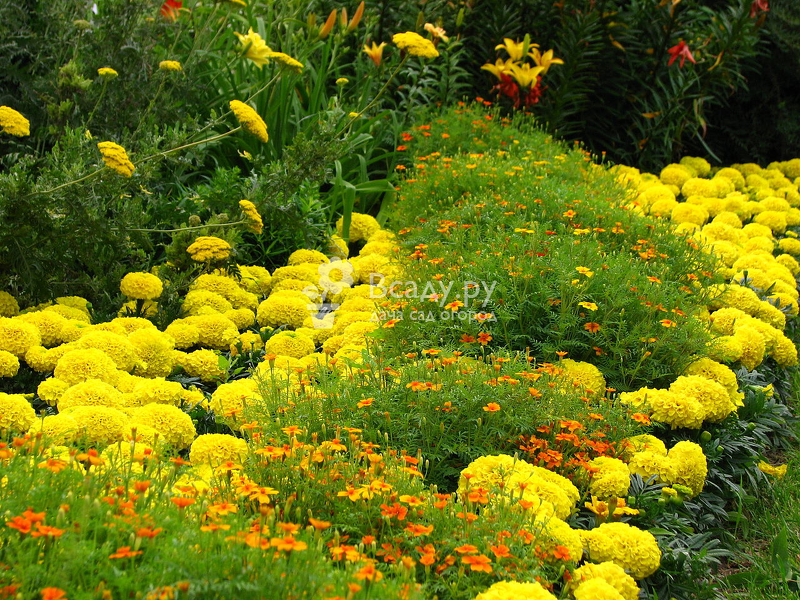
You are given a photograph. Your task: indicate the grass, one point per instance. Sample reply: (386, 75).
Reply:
(767, 564)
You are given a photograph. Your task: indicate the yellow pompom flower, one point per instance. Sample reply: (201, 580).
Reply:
(249, 120)
(116, 158)
(16, 413)
(596, 589)
(141, 286)
(686, 465)
(99, 425)
(17, 337)
(290, 343)
(209, 248)
(768, 469)
(611, 574)
(216, 448)
(203, 364)
(13, 123)
(633, 549)
(9, 364)
(515, 590)
(92, 392)
(8, 305)
(170, 65)
(415, 44)
(174, 425)
(82, 364)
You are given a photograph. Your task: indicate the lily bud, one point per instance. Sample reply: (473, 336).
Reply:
(356, 17)
(328, 27)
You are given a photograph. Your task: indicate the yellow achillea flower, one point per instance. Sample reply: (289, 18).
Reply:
(170, 65)
(249, 120)
(116, 158)
(208, 248)
(254, 47)
(107, 73)
(415, 44)
(256, 225)
(14, 123)
(286, 60)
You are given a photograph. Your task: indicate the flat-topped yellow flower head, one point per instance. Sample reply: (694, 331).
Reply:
(250, 120)
(13, 123)
(415, 44)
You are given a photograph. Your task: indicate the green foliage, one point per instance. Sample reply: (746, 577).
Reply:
(542, 236)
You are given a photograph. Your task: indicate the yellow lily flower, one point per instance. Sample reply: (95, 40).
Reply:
(525, 75)
(516, 50)
(499, 67)
(544, 60)
(254, 47)
(375, 52)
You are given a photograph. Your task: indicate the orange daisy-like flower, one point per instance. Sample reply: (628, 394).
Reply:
(467, 549)
(484, 338)
(668, 323)
(125, 552)
(369, 572)
(592, 327)
(641, 418)
(478, 563)
(492, 407)
(52, 593)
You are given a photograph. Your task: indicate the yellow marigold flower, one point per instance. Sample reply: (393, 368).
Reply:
(362, 226)
(16, 413)
(141, 286)
(99, 425)
(203, 364)
(610, 573)
(217, 448)
(254, 47)
(174, 426)
(116, 158)
(9, 364)
(415, 44)
(250, 120)
(250, 212)
(515, 590)
(170, 65)
(13, 123)
(107, 73)
(209, 248)
(596, 589)
(286, 60)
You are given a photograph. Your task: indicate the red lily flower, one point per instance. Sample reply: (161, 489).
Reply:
(682, 50)
(758, 6)
(170, 8)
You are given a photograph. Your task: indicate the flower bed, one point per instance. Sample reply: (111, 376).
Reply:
(545, 379)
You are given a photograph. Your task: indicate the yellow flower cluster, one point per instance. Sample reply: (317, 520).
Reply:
(116, 158)
(633, 549)
(684, 464)
(250, 120)
(415, 44)
(250, 212)
(209, 249)
(215, 449)
(13, 123)
(515, 590)
(170, 65)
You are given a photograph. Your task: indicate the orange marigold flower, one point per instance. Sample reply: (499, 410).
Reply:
(182, 502)
(561, 553)
(467, 549)
(492, 407)
(592, 327)
(50, 593)
(369, 572)
(668, 323)
(641, 418)
(478, 563)
(46, 531)
(417, 530)
(484, 338)
(125, 552)
(501, 551)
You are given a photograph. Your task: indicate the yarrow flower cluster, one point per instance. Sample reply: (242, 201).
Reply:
(250, 120)
(209, 249)
(13, 123)
(116, 158)
(415, 44)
